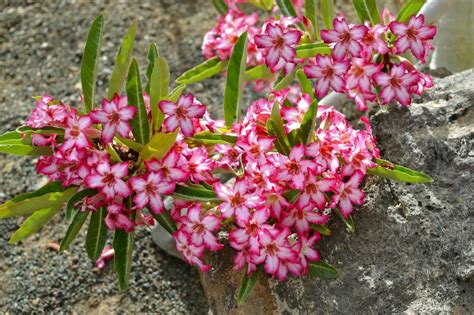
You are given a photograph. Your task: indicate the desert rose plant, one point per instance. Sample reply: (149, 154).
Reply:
(265, 183)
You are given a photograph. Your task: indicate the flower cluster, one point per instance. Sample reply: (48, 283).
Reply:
(365, 62)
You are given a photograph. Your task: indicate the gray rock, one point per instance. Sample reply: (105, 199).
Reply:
(413, 249)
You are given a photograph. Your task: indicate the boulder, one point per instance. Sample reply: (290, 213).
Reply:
(413, 249)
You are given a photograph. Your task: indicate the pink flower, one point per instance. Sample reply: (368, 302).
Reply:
(415, 36)
(345, 37)
(173, 166)
(313, 191)
(255, 147)
(199, 165)
(329, 73)
(360, 73)
(361, 98)
(305, 248)
(248, 232)
(301, 218)
(109, 180)
(118, 217)
(114, 117)
(279, 44)
(294, 168)
(396, 84)
(200, 227)
(237, 200)
(107, 254)
(275, 251)
(181, 114)
(349, 193)
(75, 133)
(192, 253)
(149, 190)
(374, 40)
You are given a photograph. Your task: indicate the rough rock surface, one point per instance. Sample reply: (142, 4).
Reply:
(413, 249)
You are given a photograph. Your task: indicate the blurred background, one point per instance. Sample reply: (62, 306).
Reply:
(41, 49)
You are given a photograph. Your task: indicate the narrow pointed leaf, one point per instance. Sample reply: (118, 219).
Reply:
(44, 131)
(292, 195)
(152, 55)
(278, 128)
(28, 203)
(280, 145)
(90, 61)
(139, 123)
(202, 71)
(322, 229)
(123, 247)
(284, 81)
(176, 93)
(410, 8)
(386, 169)
(286, 8)
(349, 222)
(220, 6)
(73, 229)
(235, 80)
(209, 138)
(323, 270)
(327, 11)
(305, 83)
(311, 50)
(367, 11)
(159, 145)
(258, 72)
(247, 285)
(48, 188)
(164, 219)
(311, 12)
(159, 83)
(96, 234)
(196, 194)
(137, 147)
(70, 206)
(306, 131)
(24, 149)
(33, 223)
(122, 63)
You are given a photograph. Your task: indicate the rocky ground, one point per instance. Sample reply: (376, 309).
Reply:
(412, 250)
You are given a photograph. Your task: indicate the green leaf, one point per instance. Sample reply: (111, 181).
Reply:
(96, 234)
(292, 195)
(159, 145)
(286, 8)
(159, 83)
(24, 149)
(152, 55)
(305, 84)
(195, 194)
(322, 229)
(410, 8)
(367, 11)
(247, 285)
(202, 71)
(311, 50)
(306, 131)
(386, 169)
(164, 219)
(122, 62)
(220, 6)
(323, 270)
(73, 229)
(48, 188)
(42, 131)
(278, 129)
(208, 138)
(258, 72)
(284, 81)
(70, 206)
(139, 123)
(235, 80)
(123, 247)
(90, 61)
(33, 223)
(129, 143)
(176, 93)
(327, 11)
(311, 12)
(31, 202)
(10, 135)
